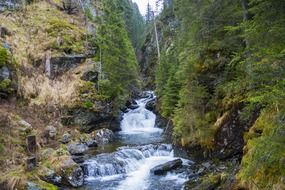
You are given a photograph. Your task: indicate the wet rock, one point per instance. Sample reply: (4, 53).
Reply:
(31, 163)
(91, 76)
(131, 104)
(5, 73)
(60, 65)
(51, 131)
(91, 143)
(32, 186)
(103, 136)
(77, 149)
(70, 172)
(89, 120)
(66, 138)
(150, 105)
(73, 174)
(49, 176)
(146, 94)
(168, 166)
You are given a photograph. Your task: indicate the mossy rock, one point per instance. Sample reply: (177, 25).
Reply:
(40, 185)
(70, 172)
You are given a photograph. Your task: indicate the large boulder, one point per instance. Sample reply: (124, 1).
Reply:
(103, 136)
(77, 148)
(91, 76)
(168, 166)
(130, 104)
(49, 176)
(90, 120)
(25, 128)
(71, 172)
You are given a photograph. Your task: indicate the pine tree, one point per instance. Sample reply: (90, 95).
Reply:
(149, 14)
(118, 58)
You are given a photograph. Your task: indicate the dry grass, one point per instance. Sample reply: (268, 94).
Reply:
(30, 40)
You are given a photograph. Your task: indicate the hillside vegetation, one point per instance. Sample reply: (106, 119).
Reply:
(222, 69)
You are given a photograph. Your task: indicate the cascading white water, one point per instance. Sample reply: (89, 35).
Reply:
(129, 167)
(140, 120)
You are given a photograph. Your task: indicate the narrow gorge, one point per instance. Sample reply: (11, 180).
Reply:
(142, 94)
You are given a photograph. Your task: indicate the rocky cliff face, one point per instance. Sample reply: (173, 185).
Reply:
(48, 92)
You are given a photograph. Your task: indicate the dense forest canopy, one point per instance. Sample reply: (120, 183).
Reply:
(224, 55)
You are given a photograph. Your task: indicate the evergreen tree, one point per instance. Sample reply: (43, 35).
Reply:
(118, 58)
(149, 14)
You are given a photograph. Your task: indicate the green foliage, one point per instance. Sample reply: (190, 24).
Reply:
(118, 58)
(57, 26)
(88, 104)
(3, 56)
(134, 23)
(68, 37)
(263, 163)
(5, 86)
(228, 53)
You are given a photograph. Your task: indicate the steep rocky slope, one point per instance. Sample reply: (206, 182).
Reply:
(49, 94)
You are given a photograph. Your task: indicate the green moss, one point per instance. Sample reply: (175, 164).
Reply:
(62, 150)
(71, 36)
(44, 185)
(57, 26)
(5, 86)
(88, 104)
(3, 56)
(264, 162)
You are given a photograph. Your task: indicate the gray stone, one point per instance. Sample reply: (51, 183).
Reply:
(72, 174)
(51, 131)
(91, 143)
(103, 136)
(49, 176)
(168, 166)
(32, 186)
(89, 120)
(76, 178)
(60, 65)
(150, 105)
(5, 73)
(25, 126)
(66, 138)
(31, 163)
(206, 165)
(91, 76)
(77, 149)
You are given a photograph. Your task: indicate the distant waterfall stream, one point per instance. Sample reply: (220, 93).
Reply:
(140, 149)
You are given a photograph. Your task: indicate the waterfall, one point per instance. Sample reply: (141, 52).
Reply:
(140, 120)
(128, 168)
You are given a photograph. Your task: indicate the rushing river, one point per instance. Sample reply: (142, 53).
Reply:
(139, 147)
